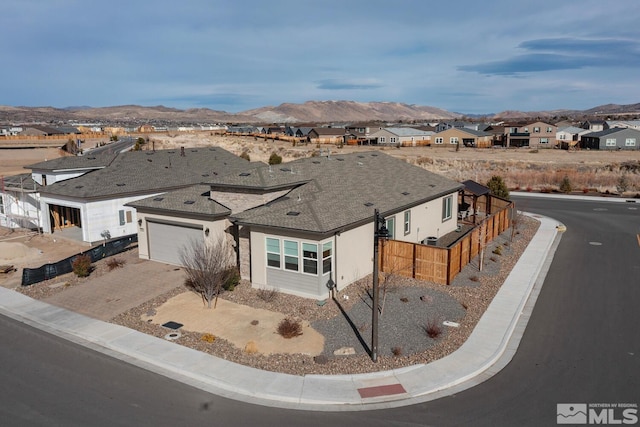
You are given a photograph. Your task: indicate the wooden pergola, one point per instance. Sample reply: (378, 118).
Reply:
(473, 190)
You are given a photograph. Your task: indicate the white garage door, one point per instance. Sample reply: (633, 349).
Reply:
(167, 240)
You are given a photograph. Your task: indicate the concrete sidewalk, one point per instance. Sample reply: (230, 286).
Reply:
(489, 348)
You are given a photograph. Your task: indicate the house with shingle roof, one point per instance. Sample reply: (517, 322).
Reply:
(462, 136)
(402, 136)
(89, 193)
(612, 139)
(305, 225)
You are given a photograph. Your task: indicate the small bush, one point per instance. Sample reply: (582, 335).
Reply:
(474, 278)
(245, 155)
(404, 299)
(275, 159)
(497, 250)
(233, 279)
(81, 265)
(289, 328)
(565, 185)
(254, 322)
(432, 328)
(267, 294)
(210, 338)
(114, 263)
(396, 351)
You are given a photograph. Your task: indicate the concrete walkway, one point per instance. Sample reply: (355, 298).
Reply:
(490, 347)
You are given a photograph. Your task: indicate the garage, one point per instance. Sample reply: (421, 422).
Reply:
(167, 240)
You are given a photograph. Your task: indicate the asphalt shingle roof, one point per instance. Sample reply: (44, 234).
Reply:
(191, 200)
(344, 190)
(139, 172)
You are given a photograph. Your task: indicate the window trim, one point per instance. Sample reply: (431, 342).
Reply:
(267, 252)
(295, 257)
(447, 208)
(390, 224)
(439, 140)
(407, 222)
(610, 142)
(453, 140)
(305, 258)
(630, 142)
(328, 258)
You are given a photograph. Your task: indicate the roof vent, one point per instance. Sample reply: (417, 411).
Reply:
(149, 160)
(293, 213)
(205, 175)
(316, 162)
(360, 156)
(368, 204)
(189, 202)
(79, 186)
(91, 158)
(245, 174)
(374, 154)
(120, 184)
(212, 149)
(340, 159)
(405, 193)
(158, 199)
(285, 169)
(432, 185)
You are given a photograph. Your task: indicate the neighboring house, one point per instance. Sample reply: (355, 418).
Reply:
(632, 124)
(363, 130)
(301, 226)
(402, 137)
(40, 130)
(463, 136)
(570, 136)
(88, 194)
(19, 202)
(595, 125)
(612, 139)
(537, 135)
(327, 135)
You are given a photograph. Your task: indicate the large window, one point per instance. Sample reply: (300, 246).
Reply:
(439, 140)
(310, 258)
(291, 255)
(392, 140)
(447, 208)
(630, 142)
(327, 257)
(453, 140)
(407, 222)
(610, 142)
(273, 252)
(382, 140)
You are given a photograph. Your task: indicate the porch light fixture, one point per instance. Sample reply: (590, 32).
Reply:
(140, 222)
(206, 232)
(380, 232)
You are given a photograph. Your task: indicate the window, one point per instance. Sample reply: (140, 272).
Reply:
(549, 129)
(439, 140)
(407, 222)
(562, 136)
(121, 216)
(392, 140)
(610, 142)
(129, 217)
(273, 252)
(44, 180)
(453, 140)
(390, 223)
(630, 142)
(1, 204)
(536, 130)
(447, 206)
(526, 130)
(544, 140)
(310, 258)
(383, 140)
(327, 256)
(290, 255)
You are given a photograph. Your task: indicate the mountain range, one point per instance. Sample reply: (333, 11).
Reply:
(308, 112)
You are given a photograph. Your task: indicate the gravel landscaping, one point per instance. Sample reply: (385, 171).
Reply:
(403, 339)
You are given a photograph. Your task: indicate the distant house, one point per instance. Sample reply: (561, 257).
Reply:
(146, 129)
(40, 130)
(612, 139)
(402, 136)
(595, 125)
(363, 130)
(462, 136)
(569, 137)
(536, 134)
(327, 135)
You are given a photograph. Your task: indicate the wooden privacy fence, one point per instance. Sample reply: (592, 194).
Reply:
(441, 265)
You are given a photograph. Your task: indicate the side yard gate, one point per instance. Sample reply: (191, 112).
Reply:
(441, 265)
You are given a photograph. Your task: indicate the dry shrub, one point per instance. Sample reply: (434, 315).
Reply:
(396, 351)
(433, 328)
(251, 347)
(267, 294)
(289, 328)
(81, 265)
(114, 263)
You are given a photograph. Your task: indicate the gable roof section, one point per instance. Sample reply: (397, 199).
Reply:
(342, 192)
(610, 131)
(74, 163)
(406, 132)
(144, 172)
(191, 201)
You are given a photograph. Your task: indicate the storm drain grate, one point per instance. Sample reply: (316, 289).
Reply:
(173, 325)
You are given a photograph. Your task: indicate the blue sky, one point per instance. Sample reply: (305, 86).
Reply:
(471, 57)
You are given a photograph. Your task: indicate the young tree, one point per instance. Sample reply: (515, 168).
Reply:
(498, 188)
(208, 266)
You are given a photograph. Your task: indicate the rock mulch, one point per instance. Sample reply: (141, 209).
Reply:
(408, 308)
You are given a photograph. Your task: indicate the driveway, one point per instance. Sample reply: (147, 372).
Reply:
(122, 289)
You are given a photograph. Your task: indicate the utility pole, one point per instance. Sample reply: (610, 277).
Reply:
(379, 232)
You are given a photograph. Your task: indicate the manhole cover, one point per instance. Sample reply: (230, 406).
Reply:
(173, 325)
